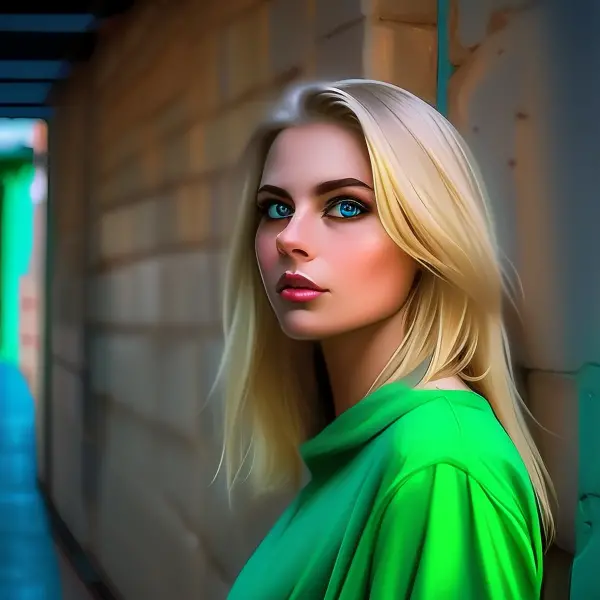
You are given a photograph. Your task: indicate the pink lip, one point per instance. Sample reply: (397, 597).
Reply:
(299, 294)
(297, 288)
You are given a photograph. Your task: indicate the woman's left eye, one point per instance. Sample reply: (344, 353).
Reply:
(345, 209)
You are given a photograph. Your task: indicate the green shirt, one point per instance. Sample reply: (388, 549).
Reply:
(414, 494)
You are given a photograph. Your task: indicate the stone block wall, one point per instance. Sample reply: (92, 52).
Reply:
(142, 155)
(501, 99)
(143, 148)
(67, 189)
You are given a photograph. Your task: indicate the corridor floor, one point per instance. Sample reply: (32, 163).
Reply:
(29, 564)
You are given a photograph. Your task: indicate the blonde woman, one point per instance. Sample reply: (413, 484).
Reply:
(365, 340)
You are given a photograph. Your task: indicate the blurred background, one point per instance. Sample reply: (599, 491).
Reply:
(121, 125)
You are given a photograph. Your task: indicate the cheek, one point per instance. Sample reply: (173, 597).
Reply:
(266, 251)
(376, 268)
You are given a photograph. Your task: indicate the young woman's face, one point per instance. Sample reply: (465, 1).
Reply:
(327, 264)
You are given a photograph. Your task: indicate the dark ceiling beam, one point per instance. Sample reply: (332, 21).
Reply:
(4, 80)
(19, 70)
(15, 104)
(100, 8)
(25, 112)
(24, 93)
(46, 46)
(109, 8)
(45, 7)
(49, 23)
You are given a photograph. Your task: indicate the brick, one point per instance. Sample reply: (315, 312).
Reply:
(196, 148)
(290, 32)
(486, 95)
(120, 182)
(405, 55)
(128, 437)
(247, 52)
(494, 55)
(146, 217)
(471, 21)
(128, 509)
(334, 15)
(176, 156)
(127, 145)
(193, 213)
(167, 218)
(186, 494)
(167, 73)
(146, 277)
(227, 134)
(421, 12)
(150, 158)
(216, 12)
(125, 293)
(341, 55)
(458, 52)
(226, 202)
(216, 139)
(204, 88)
(143, 94)
(186, 281)
(133, 176)
(179, 386)
(241, 123)
(107, 235)
(172, 115)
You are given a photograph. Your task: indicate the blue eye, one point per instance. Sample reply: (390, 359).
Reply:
(278, 210)
(346, 209)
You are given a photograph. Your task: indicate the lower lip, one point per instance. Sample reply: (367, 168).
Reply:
(299, 294)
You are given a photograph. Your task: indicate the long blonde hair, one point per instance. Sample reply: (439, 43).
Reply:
(432, 203)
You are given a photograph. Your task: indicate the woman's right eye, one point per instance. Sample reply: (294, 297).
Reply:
(278, 210)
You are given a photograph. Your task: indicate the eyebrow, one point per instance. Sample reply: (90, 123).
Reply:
(322, 188)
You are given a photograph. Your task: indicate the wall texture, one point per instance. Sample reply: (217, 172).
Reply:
(500, 99)
(142, 150)
(142, 154)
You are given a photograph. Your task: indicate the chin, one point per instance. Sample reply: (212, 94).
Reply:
(305, 326)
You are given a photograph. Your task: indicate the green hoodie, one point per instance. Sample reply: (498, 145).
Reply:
(414, 494)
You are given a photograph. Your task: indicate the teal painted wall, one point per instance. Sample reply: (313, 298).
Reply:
(16, 242)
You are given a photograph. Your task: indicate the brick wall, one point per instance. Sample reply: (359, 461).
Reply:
(67, 193)
(142, 150)
(141, 164)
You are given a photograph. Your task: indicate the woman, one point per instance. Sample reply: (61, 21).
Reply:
(364, 338)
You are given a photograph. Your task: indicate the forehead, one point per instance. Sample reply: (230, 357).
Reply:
(315, 153)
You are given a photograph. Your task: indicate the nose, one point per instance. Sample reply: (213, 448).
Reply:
(295, 239)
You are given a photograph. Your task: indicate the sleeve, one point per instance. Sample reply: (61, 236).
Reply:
(441, 537)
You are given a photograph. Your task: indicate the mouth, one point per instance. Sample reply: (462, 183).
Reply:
(298, 288)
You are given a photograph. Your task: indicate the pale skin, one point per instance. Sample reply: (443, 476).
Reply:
(319, 220)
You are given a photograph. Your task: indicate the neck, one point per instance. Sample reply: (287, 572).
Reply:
(354, 360)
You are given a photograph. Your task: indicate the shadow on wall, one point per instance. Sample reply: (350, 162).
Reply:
(28, 563)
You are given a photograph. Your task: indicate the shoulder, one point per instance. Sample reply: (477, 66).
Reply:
(441, 511)
(456, 428)
(455, 483)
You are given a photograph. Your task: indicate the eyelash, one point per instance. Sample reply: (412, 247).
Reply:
(263, 207)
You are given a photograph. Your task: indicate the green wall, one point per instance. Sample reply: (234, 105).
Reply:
(16, 243)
